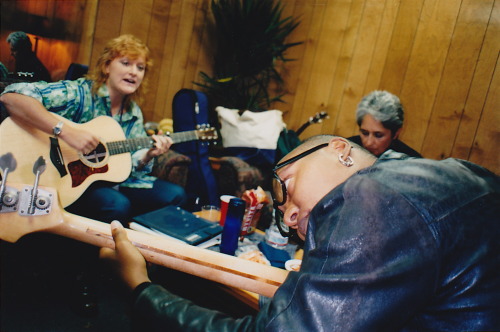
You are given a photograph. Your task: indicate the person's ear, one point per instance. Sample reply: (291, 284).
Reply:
(396, 134)
(341, 146)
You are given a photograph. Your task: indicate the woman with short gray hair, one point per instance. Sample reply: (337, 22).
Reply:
(380, 117)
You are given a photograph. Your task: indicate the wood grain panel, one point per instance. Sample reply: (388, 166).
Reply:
(485, 151)
(457, 76)
(195, 45)
(156, 43)
(382, 47)
(108, 23)
(403, 38)
(323, 65)
(439, 56)
(340, 89)
(293, 117)
(482, 80)
(425, 68)
(291, 71)
(369, 27)
(163, 100)
(136, 18)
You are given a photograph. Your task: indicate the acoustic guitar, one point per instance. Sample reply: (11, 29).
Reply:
(70, 172)
(26, 209)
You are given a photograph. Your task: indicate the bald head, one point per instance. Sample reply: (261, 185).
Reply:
(315, 141)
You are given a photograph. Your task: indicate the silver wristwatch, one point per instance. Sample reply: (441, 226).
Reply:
(58, 128)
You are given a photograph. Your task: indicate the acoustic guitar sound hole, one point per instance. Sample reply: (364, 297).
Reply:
(97, 155)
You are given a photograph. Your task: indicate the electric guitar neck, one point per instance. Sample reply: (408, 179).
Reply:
(26, 209)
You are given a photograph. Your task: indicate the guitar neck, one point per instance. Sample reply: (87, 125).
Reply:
(225, 269)
(302, 128)
(318, 117)
(208, 264)
(134, 144)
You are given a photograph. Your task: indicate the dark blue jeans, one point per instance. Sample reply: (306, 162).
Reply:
(104, 203)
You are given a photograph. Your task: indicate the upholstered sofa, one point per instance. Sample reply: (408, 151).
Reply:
(233, 175)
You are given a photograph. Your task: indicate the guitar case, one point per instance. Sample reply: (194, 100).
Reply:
(189, 111)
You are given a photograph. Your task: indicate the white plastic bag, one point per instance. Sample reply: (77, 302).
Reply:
(251, 129)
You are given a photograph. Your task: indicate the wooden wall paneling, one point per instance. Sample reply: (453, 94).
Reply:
(195, 47)
(325, 60)
(39, 8)
(302, 11)
(340, 115)
(293, 118)
(201, 59)
(136, 18)
(369, 28)
(430, 53)
(163, 100)
(425, 67)
(333, 57)
(156, 42)
(486, 149)
(457, 76)
(183, 40)
(87, 34)
(205, 55)
(402, 40)
(32, 7)
(382, 48)
(52, 8)
(108, 26)
(481, 82)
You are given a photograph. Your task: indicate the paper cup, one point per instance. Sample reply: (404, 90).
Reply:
(224, 202)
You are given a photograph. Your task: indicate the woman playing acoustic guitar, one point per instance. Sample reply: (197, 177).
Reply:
(113, 89)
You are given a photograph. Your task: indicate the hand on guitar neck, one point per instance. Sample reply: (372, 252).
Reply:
(126, 260)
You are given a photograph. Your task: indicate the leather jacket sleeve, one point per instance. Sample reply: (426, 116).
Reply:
(156, 309)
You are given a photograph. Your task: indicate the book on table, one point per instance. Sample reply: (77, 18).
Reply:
(178, 224)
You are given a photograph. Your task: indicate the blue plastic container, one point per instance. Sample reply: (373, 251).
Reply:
(232, 226)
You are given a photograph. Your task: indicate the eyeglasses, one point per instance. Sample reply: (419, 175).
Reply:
(280, 193)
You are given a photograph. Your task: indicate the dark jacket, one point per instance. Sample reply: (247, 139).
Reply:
(396, 145)
(404, 245)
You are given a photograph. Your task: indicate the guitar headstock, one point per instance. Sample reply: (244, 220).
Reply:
(24, 74)
(16, 219)
(318, 117)
(206, 133)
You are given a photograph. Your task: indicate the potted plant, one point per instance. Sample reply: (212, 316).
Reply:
(250, 45)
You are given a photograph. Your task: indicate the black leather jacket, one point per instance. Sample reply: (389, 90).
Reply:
(400, 246)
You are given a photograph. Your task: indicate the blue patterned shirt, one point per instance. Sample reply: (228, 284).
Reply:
(74, 100)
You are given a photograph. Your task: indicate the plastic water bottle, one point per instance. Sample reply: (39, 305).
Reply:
(232, 226)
